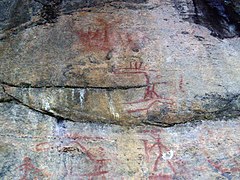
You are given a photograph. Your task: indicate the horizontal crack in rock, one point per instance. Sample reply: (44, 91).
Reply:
(36, 110)
(6, 100)
(134, 6)
(219, 106)
(166, 125)
(212, 107)
(25, 85)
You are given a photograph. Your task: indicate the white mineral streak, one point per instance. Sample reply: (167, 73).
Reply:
(73, 91)
(168, 155)
(26, 96)
(112, 108)
(45, 101)
(45, 104)
(82, 96)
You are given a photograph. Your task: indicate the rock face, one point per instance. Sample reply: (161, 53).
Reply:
(221, 17)
(122, 65)
(84, 85)
(36, 146)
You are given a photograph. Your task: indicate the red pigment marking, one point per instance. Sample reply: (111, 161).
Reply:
(151, 96)
(76, 139)
(153, 131)
(99, 39)
(135, 68)
(221, 169)
(28, 168)
(181, 84)
(160, 147)
(107, 37)
(150, 92)
(167, 101)
(98, 163)
(75, 136)
(149, 106)
(44, 146)
(237, 169)
(130, 41)
(160, 177)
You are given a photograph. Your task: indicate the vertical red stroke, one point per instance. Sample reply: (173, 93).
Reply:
(102, 38)
(160, 146)
(27, 167)
(151, 96)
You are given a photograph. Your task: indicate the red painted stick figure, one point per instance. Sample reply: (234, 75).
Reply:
(161, 155)
(150, 92)
(151, 96)
(164, 154)
(28, 168)
(135, 68)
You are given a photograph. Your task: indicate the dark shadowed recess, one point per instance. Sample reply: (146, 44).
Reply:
(213, 106)
(17, 12)
(222, 17)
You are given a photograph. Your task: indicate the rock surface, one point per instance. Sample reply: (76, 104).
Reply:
(119, 89)
(122, 65)
(221, 17)
(37, 146)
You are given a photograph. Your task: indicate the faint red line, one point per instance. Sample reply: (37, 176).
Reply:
(95, 173)
(149, 106)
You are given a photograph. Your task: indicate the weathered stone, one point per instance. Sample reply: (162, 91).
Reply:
(110, 106)
(153, 71)
(18, 14)
(3, 96)
(221, 17)
(73, 71)
(34, 145)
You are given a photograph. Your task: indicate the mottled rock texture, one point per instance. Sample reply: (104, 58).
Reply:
(110, 62)
(37, 146)
(138, 89)
(220, 16)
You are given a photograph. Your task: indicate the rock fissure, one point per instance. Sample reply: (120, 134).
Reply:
(169, 125)
(227, 106)
(119, 89)
(212, 106)
(133, 6)
(5, 100)
(26, 85)
(51, 114)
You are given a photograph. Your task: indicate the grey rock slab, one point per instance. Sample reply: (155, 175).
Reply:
(34, 145)
(3, 96)
(163, 63)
